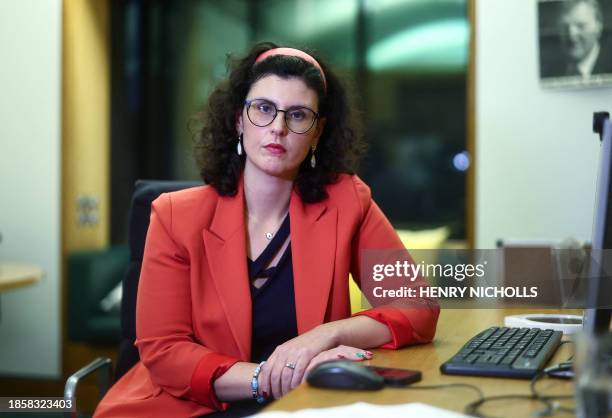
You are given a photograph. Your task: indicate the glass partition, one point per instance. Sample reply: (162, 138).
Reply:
(406, 61)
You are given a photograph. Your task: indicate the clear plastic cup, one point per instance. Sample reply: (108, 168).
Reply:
(593, 366)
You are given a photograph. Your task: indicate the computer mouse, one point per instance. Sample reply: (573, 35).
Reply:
(342, 374)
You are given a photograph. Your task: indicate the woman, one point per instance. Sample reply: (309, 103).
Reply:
(244, 283)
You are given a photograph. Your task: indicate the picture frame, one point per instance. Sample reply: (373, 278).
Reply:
(575, 43)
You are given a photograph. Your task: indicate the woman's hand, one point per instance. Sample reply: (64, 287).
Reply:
(342, 352)
(276, 377)
(286, 367)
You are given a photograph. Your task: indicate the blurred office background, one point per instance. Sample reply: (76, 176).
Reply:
(99, 93)
(406, 60)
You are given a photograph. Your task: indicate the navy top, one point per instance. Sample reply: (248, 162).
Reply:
(274, 320)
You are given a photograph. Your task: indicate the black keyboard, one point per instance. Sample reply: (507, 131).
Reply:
(505, 352)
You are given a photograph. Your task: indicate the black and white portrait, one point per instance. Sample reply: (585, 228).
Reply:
(575, 42)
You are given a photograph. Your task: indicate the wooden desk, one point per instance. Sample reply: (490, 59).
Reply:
(455, 326)
(14, 275)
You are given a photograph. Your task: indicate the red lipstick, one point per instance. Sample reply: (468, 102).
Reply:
(275, 149)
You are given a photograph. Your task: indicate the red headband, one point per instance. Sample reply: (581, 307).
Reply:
(294, 53)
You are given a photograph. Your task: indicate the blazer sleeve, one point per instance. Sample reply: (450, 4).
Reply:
(409, 321)
(164, 330)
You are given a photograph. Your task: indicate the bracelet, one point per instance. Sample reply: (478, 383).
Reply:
(255, 384)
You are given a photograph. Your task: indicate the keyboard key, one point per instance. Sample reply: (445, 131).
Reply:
(496, 359)
(472, 358)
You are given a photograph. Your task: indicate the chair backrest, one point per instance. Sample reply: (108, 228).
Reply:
(145, 192)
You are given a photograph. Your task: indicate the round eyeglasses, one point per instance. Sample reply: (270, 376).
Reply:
(299, 119)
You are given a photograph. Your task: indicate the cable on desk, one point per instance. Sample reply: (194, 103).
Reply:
(552, 406)
(567, 364)
(571, 357)
(473, 407)
(548, 400)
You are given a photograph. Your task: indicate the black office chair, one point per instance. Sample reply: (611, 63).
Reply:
(145, 192)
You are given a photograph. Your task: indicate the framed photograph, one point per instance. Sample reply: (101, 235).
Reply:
(575, 43)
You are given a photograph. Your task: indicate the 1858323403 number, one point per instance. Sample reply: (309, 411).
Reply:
(36, 404)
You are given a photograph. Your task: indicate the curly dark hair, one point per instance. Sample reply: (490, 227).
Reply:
(340, 146)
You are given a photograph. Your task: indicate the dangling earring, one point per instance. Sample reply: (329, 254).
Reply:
(313, 160)
(239, 146)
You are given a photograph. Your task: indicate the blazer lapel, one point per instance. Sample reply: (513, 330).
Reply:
(313, 250)
(225, 245)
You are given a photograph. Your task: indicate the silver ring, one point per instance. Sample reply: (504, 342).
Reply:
(290, 365)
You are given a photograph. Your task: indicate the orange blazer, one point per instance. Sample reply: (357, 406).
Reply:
(193, 315)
